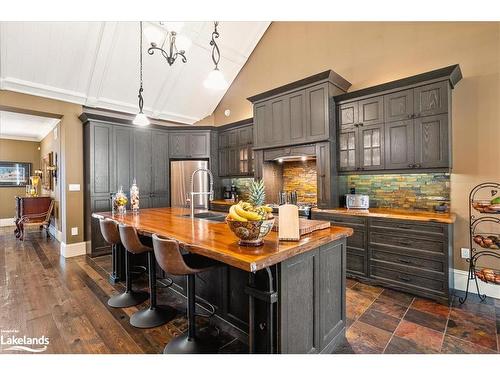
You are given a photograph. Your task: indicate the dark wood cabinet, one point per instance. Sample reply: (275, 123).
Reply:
(297, 113)
(432, 142)
(399, 145)
(348, 115)
(189, 145)
(431, 99)
(235, 151)
(142, 166)
(411, 256)
(371, 111)
(160, 170)
(348, 149)
(327, 192)
(412, 118)
(398, 106)
(371, 147)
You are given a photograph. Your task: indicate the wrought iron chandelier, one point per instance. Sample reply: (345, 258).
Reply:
(171, 54)
(140, 119)
(215, 79)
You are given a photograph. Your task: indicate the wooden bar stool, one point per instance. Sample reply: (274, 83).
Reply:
(172, 261)
(109, 230)
(154, 315)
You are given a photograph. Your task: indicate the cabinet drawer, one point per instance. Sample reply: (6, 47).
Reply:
(387, 255)
(384, 271)
(339, 219)
(401, 240)
(408, 227)
(355, 262)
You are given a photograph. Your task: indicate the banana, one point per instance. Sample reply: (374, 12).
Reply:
(233, 215)
(246, 214)
(267, 209)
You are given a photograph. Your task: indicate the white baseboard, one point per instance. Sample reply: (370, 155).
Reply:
(57, 234)
(7, 222)
(73, 249)
(460, 278)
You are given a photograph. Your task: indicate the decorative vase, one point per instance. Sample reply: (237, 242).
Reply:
(134, 197)
(120, 202)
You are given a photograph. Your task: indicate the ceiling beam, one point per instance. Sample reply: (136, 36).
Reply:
(102, 55)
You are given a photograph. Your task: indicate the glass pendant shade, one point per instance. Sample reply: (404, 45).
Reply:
(216, 80)
(141, 120)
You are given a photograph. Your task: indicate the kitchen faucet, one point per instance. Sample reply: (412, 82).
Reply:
(210, 193)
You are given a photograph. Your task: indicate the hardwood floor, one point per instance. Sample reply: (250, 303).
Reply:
(65, 299)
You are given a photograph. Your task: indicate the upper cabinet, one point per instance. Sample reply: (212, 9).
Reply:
(235, 150)
(190, 145)
(297, 113)
(402, 125)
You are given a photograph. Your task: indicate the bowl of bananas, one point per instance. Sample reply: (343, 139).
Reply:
(251, 220)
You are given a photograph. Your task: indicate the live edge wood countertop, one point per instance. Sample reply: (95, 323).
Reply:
(388, 213)
(215, 240)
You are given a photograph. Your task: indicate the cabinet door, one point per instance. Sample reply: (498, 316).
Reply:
(232, 138)
(233, 162)
(431, 99)
(199, 145)
(371, 111)
(348, 158)
(399, 146)
(398, 106)
(323, 171)
(275, 130)
(371, 147)
(431, 142)
(223, 162)
(223, 140)
(317, 125)
(160, 170)
(261, 114)
(258, 164)
(178, 145)
(244, 135)
(101, 158)
(143, 165)
(244, 160)
(124, 158)
(297, 115)
(348, 115)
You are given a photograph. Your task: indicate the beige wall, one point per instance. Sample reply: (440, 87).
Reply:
(370, 53)
(71, 155)
(52, 144)
(21, 151)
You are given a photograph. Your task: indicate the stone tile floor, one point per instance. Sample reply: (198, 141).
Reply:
(386, 321)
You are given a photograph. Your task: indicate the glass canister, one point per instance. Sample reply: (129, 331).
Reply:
(120, 202)
(134, 197)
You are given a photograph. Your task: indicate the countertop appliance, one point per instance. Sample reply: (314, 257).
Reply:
(180, 183)
(357, 201)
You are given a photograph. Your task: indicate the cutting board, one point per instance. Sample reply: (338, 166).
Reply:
(307, 226)
(288, 223)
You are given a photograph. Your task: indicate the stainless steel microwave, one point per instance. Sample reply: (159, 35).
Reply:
(357, 201)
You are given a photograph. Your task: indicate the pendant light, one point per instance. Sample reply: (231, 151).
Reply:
(215, 79)
(140, 119)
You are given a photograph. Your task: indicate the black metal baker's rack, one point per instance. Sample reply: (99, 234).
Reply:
(480, 213)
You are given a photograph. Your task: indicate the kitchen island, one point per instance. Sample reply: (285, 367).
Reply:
(288, 296)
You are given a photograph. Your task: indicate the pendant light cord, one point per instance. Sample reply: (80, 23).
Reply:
(141, 99)
(215, 49)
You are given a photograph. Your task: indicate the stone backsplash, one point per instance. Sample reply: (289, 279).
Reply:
(300, 176)
(405, 191)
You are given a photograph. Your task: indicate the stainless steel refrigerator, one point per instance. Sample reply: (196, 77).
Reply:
(180, 183)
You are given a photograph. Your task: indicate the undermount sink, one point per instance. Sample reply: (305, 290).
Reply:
(212, 216)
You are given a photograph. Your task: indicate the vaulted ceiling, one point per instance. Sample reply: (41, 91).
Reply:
(97, 64)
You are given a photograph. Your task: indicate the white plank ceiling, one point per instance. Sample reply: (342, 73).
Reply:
(25, 127)
(97, 63)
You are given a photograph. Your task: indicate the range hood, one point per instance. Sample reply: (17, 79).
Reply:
(283, 159)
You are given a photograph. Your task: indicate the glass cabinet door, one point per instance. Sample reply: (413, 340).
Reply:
(347, 145)
(371, 147)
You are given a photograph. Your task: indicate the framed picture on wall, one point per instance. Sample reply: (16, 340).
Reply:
(47, 172)
(14, 173)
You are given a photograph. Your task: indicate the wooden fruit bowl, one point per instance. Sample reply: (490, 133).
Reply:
(250, 233)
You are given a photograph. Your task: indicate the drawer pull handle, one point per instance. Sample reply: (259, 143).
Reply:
(404, 278)
(406, 261)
